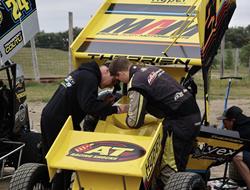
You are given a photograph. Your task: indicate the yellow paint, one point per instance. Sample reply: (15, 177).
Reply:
(133, 170)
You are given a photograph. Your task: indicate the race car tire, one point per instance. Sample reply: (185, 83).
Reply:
(185, 181)
(30, 176)
(32, 152)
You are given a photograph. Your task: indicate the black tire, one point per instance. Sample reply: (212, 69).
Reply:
(205, 176)
(30, 176)
(32, 152)
(185, 181)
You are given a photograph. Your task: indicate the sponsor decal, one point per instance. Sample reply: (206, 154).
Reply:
(144, 69)
(143, 59)
(205, 151)
(18, 8)
(68, 82)
(152, 159)
(153, 75)
(179, 94)
(107, 151)
(169, 1)
(164, 28)
(13, 42)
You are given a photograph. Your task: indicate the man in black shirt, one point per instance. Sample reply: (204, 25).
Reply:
(153, 91)
(234, 119)
(77, 96)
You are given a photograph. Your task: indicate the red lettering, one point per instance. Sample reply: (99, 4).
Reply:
(155, 27)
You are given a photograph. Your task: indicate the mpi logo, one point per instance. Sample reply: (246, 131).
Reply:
(107, 151)
(151, 27)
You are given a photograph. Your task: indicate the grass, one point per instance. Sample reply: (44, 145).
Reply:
(54, 63)
(40, 91)
(239, 89)
(51, 62)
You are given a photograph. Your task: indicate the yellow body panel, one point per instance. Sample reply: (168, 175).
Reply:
(106, 182)
(174, 35)
(204, 162)
(133, 171)
(94, 31)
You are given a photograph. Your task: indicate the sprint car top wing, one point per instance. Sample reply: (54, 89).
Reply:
(18, 24)
(161, 32)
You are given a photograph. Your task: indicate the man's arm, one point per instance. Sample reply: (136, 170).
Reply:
(136, 110)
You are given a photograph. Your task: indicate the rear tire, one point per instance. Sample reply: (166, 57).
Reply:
(32, 151)
(185, 181)
(30, 176)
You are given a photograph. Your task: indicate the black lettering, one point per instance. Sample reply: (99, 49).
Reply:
(93, 55)
(179, 61)
(167, 61)
(127, 25)
(170, 28)
(148, 59)
(152, 159)
(158, 1)
(106, 58)
(134, 58)
(190, 31)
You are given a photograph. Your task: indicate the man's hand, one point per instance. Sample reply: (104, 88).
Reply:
(123, 108)
(110, 99)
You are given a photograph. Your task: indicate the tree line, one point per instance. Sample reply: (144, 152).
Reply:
(235, 37)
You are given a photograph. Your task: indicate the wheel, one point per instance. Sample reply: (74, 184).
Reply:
(185, 181)
(32, 151)
(30, 176)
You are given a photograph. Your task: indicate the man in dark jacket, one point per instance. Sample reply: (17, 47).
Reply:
(77, 96)
(234, 119)
(153, 91)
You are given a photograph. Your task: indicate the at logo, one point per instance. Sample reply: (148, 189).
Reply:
(107, 151)
(151, 27)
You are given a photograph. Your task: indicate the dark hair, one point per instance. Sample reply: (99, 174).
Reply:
(107, 63)
(119, 64)
(231, 113)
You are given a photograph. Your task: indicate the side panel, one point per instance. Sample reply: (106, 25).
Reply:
(16, 19)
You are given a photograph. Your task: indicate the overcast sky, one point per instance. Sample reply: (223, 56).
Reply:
(53, 15)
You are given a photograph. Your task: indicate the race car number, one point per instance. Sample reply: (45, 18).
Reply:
(17, 7)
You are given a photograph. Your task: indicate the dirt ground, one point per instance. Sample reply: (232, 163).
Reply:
(216, 109)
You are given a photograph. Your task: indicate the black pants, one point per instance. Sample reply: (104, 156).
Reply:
(50, 128)
(184, 129)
